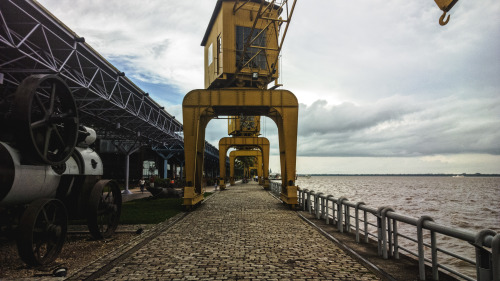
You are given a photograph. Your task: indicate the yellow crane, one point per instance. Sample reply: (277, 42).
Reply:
(242, 46)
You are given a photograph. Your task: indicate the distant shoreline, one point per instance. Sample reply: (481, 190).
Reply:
(399, 175)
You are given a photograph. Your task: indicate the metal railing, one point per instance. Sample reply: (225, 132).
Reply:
(384, 223)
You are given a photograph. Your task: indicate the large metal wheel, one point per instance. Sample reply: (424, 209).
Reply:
(42, 231)
(105, 204)
(45, 119)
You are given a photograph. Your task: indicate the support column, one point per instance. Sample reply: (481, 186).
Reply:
(260, 170)
(222, 166)
(127, 148)
(194, 148)
(232, 158)
(127, 173)
(287, 132)
(165, 168)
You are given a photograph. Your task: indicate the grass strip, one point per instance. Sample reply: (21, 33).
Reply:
(151, 211)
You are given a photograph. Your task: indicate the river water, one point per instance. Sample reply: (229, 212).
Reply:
(470, 203)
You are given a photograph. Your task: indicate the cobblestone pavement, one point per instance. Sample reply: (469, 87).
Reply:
(240, 234)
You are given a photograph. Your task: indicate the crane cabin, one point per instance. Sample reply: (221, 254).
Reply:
(241, 44)
(243, 126)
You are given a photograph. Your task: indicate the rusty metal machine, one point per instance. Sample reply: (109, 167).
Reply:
(49, 172)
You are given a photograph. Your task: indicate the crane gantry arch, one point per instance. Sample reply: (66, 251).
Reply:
(201, 106)
(242, 142)
(262, 173)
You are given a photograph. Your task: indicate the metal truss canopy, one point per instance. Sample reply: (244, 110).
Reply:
(33, 41)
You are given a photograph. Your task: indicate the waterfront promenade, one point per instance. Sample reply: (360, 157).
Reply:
(242, 233)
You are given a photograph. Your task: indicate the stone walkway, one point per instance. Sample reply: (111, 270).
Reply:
(242, 233)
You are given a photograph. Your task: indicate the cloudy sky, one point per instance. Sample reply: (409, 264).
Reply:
(383, 88)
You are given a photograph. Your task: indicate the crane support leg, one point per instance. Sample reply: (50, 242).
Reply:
(287, 133)
(195, 147)
(200, 106)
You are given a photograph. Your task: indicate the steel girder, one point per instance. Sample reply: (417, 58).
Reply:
(175, 146)
(33, 41)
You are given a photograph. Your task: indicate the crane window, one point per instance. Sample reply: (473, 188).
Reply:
(249, 56)
(210, 55)
(219, 53)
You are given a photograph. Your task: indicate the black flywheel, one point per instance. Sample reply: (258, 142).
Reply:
(104, 209)
(45, 117)
(42, 231)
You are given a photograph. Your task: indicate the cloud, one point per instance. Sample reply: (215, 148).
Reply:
(216, 129)
(363, 51)
(320, 118)
(400, 126)
(157, 41)
(396, 126)
(375, 79)
(347, 51)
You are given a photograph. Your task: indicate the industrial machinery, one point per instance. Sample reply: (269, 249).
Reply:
(49, 172)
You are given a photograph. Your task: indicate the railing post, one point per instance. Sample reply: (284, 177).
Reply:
(347, 218)
(298, 196)
(304, 199)
(385, 227)
(495, 252)
(483, 257)
(365, 218)
(420, 239)
(304, 202)
(395, 235)
(322, 207)
(380, 230)
(389, 237)
(317, 207)
(339, 213)
(333, 212)
(357, 219)
(435, 267)
(309, 205)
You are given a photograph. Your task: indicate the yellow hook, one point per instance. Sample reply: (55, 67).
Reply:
(441, 19)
